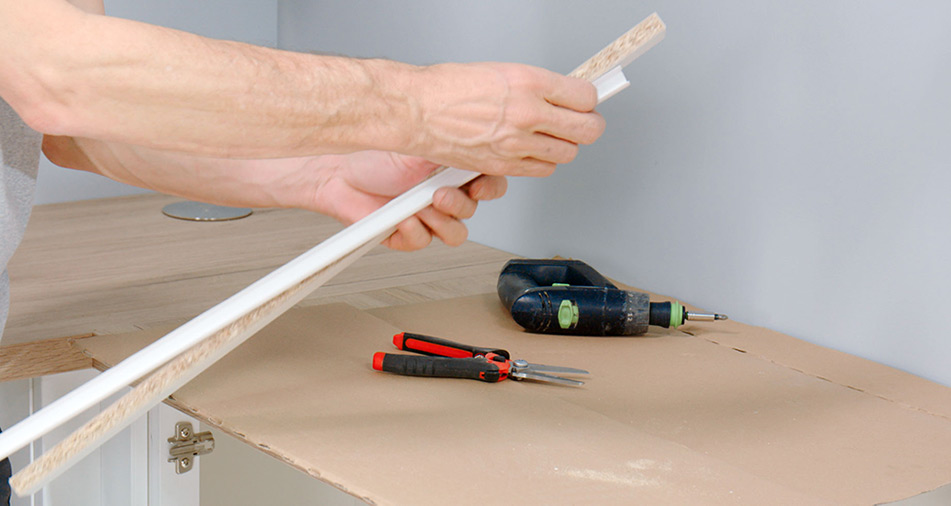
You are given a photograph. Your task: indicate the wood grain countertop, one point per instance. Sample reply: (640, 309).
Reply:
(117, 265)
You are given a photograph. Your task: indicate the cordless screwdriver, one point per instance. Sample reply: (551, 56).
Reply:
(570, 297)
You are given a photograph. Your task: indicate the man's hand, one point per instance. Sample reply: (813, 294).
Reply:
(505, 119)
(349, 187)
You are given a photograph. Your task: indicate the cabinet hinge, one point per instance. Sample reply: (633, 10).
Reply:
(186, 445)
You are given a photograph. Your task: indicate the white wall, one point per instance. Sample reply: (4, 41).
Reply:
(782, 162)
(253, 21)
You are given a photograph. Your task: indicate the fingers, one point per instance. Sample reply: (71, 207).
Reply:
(532, 167)
(556, 126)
(574, 118)
(546, 148)
(410, 235)
(461, 203)
(571, 92)
(443, 219)
(454, 202)
(487, 187)
(449, 230)
(535, 155)
(575, 127)
(417, 232)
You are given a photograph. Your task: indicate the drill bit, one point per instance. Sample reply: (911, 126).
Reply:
(704, 317)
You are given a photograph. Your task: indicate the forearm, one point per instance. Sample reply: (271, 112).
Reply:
(346, 187)
(235, 182)
(69, 73)
(98, 77)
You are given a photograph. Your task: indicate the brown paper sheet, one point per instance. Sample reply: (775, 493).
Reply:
(664, 419)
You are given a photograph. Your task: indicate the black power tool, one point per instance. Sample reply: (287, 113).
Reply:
(570, 297)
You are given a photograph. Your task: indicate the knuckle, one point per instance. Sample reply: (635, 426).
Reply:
(467, 210)
(541, 169)
(547, 170)
(457, 204)
(414, 235)
(571, 152)
(592, 129)
(589, 93)
(459, 237)
(524, 73)
(508, 146)
(488, 188)
(422, 240)
(496, 166)
(460, 206)
(523, 116)
(584, 94)
(400, 242)
(517, 75)
(501, 187)
(444, 200)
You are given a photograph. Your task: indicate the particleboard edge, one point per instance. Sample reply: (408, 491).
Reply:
(41, 358)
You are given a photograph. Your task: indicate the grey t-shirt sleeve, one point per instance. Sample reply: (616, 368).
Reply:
(19, 159)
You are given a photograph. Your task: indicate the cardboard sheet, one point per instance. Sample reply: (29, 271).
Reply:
(666, 418)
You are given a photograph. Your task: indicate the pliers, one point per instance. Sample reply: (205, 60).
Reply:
(448, 359)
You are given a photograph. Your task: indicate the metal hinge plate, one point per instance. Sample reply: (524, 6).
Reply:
(187, 445)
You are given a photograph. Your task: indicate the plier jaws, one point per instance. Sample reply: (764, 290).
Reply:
(522, 370)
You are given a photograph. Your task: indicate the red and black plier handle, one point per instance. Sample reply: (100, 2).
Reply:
(447, 359)
(439, 347)
(490, 368)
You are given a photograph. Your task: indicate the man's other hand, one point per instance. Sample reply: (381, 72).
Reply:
(349, 187)
(503, 118)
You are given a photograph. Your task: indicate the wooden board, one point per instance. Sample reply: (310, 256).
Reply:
(52, 356)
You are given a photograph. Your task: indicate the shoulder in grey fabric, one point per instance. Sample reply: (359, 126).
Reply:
(19, 159)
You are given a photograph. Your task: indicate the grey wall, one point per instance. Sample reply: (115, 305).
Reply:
(783, 162)
(253, 21)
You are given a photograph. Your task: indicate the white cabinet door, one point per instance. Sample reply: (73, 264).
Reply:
(131, 469)
(80, 484)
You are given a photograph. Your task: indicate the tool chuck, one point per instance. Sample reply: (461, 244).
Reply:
(673, 315)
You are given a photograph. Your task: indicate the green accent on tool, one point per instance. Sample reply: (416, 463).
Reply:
(568, 314)
(676, 314)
